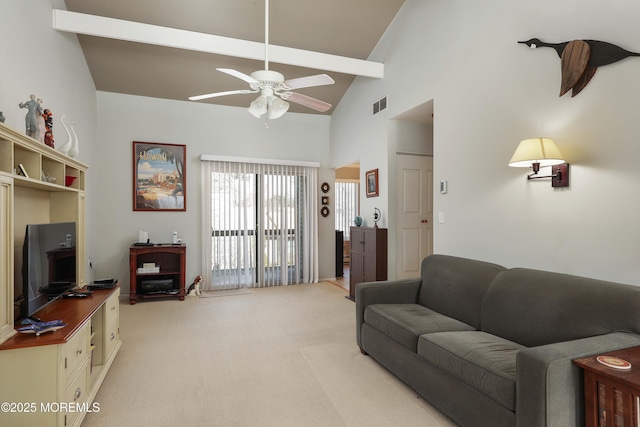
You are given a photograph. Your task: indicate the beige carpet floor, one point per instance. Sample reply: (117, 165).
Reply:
(284, 356)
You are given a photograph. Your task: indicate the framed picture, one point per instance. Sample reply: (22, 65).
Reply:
(159, 177)
(371, 178)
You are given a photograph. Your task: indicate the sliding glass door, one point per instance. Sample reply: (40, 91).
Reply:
(233, 223)
(347, 197)
(260, 225)
(281, 231)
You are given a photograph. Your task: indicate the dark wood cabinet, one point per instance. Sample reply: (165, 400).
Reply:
(170, 261)
(368, 257)
(612, 396)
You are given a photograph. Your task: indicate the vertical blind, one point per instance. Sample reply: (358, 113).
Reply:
(347, 195)
(262, 222)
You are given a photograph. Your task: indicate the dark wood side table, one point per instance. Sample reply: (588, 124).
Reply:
(612, 396)
(171, 261)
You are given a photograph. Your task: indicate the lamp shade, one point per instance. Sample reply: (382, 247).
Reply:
(536, 150)
(277, 108)
(258, 107)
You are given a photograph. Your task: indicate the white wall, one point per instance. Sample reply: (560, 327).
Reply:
(204, 129)
(489, 93)
(39, 60)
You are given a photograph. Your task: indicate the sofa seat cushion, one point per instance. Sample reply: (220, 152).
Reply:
(483, 361)
(404, 323)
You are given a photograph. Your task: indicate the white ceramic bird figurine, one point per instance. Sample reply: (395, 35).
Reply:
(73, 151)
(64, 148)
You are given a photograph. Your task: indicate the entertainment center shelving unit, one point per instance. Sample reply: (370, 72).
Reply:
(66, 366)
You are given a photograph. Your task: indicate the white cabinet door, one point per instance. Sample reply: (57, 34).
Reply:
(6, 258)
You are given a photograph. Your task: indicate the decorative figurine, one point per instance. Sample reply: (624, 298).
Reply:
(194, 289)
(376, 216)
(66, 146)
(2, 117)
(40, 123)
(48, 124)
(31, 117)
(580, 59)
(73, 151)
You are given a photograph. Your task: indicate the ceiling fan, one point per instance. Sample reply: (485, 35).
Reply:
(273, 88)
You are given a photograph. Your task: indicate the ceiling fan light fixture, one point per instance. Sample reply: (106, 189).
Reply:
(258, 107)
(277, 108)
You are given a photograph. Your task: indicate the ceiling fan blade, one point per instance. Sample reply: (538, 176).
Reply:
(216, 94)
(235, 73)
(309, 81)
(308, 101)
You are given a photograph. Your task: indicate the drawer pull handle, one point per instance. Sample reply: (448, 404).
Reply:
(78, 352)
(113, 335)
(77, 394)
(113, 308)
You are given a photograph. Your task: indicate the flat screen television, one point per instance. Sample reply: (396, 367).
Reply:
(48, 264)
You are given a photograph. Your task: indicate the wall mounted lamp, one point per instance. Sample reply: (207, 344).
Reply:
(541, 152)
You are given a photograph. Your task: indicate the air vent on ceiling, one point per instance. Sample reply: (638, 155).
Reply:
(379, 105)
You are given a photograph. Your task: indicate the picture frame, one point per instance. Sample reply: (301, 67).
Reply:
(371, 183)
(159, 177)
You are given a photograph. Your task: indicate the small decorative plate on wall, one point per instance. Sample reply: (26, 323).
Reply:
(324, 211)
(325, 187)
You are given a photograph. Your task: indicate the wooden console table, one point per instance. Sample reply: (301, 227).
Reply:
(612, 396)
(171, 260)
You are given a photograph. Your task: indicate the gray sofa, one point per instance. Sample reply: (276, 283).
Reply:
(490, 346)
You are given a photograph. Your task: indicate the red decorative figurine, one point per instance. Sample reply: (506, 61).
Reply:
(48, 123)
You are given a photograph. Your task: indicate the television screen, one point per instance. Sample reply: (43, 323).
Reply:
(48, 264)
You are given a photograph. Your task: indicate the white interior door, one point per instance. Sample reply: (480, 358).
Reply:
(415, 213)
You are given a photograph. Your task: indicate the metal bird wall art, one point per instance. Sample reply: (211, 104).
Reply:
(580, 59)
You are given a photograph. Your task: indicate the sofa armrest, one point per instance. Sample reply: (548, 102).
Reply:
(549, 388)
(403, 291)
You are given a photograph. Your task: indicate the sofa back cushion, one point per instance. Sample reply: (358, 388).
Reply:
(533, 307)
(456, 286)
